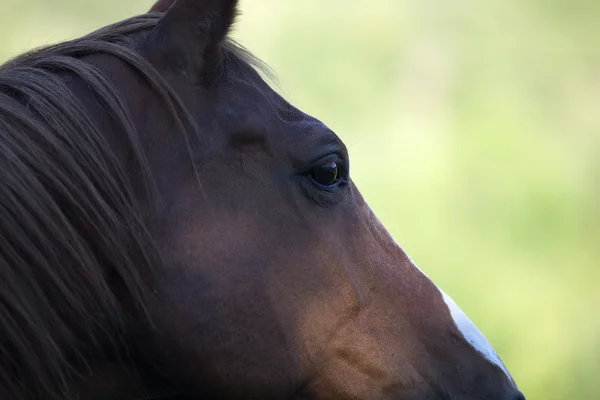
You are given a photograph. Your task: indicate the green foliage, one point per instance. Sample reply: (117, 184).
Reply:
(474, 131)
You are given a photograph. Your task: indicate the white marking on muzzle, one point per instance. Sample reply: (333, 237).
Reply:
(468, 329)
(471, 333)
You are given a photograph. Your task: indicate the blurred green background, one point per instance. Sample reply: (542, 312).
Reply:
(474, 131)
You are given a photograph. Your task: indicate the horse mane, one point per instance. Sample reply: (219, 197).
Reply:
(72, 240)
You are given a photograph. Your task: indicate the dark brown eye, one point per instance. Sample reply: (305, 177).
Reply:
(327, 174)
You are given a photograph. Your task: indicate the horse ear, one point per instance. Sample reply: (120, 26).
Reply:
(162, 6)
(191, 30)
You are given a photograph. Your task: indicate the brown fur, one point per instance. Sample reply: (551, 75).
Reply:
(162, 233)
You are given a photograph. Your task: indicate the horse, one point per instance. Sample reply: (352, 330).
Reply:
(172, 228)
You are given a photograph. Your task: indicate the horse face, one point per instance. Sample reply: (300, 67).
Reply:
(278, 281)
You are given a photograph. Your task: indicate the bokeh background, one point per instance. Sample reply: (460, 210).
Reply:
(474, 132)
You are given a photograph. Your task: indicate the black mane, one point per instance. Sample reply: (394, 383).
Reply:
(72, 241)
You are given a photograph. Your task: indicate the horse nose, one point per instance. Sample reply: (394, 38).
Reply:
(516, 395)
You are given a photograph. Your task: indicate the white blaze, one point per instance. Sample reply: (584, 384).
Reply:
(471, 333)
(468, 329)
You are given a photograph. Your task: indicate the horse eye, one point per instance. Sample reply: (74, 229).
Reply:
(327, 174)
